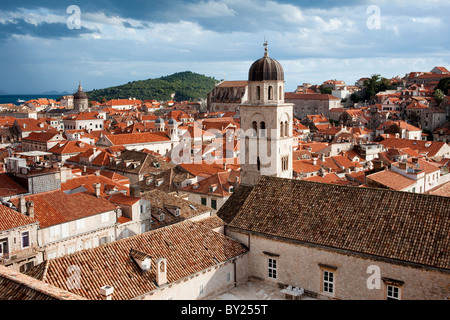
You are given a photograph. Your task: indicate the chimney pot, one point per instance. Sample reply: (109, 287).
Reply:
(106, 292)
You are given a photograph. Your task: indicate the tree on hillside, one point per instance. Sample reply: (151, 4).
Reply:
(444, 85)
(375, 84)
(325, 90)
(438, 95)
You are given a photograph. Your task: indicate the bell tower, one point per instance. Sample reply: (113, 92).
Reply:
(266, 123)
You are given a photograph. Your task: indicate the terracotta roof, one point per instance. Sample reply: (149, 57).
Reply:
(308, 96)
(430, 148)
(30, 124)
(18, 286)
(8, 187)
(188, 247)
(10, 219)
(389, 224)
(42, 136)
(137, 137)
(233, 84)
(88, 183)
(56, 207)
(304, 166)
(70, 147)
(441, 190)
(222, 181)
(391, 179)
(161, 200)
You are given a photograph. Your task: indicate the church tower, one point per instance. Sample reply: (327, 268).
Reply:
(266, 124)
(80, 100)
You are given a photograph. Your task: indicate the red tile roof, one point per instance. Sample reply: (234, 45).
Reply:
(10, 219)
(56, 207)
(308, 96)
(189, 248)
(135, 138)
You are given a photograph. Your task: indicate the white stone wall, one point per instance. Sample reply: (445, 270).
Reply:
(214, 281)
(300, 265)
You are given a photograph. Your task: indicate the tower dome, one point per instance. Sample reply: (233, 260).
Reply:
(265, 68)
(80, 94)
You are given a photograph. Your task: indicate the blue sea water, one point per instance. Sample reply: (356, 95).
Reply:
(13, 98)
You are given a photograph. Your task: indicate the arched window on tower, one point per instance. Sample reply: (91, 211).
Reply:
(263, 128)
(270, 93)
(281, 129)
(255, 128)
(286, 129)
(258, 93)
(280, 93)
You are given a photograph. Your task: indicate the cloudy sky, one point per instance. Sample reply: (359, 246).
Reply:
(44, 46)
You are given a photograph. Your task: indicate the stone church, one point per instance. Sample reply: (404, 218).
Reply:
(329, 241)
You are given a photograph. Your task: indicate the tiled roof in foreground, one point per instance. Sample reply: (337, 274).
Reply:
(188, 247)
(17, 286)
(409, 227)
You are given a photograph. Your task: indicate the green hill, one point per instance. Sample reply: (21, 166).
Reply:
(187, 86)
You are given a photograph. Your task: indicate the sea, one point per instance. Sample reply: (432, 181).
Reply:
(14, 97)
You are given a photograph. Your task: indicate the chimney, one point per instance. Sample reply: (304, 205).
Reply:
(106, 292)
(314, 161)
(97, 189)
(30, 208)
(135, 190)
(22, 208)
(161, 272)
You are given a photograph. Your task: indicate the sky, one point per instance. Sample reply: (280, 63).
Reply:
(52, 45)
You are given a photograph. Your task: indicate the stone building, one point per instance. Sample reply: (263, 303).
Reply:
(266, 120)
(80, 100)
(18, 237)
(227, 96)
(335, 243)
(312, 103)
(157, 265)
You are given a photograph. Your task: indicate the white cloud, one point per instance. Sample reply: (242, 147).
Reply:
(210, 9)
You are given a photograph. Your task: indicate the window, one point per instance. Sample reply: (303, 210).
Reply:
(281, 130)
(270, 92)
(393, 293)
(25, 239)
(228, 277)
(258, 164)
(4, 247)
(328, 281)
(204, 201)
(258, 93)
(263, 129)
(70, 249)
(202, 289)
(214, 204)
(286, 129)
(143, 228)
(26, 266)
(272, 268)
(255, 128)
(142, 209)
